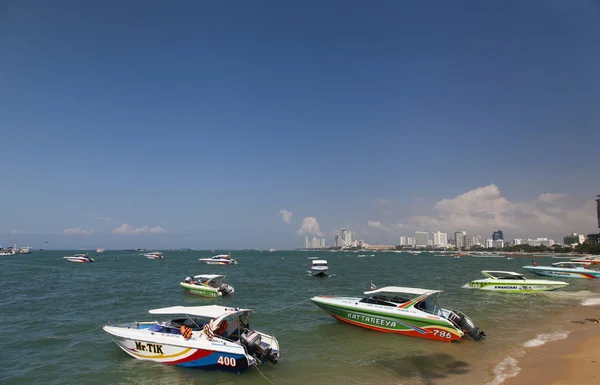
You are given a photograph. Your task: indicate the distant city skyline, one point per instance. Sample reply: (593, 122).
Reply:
(254, 125)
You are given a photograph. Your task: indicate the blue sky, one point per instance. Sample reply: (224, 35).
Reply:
(197, 122)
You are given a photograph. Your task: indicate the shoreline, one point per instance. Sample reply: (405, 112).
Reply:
(564, 359)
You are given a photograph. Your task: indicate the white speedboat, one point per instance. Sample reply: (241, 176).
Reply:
(6, 252)
(25, 250)
(511, 282)
(319, 268)
(211, 337)
(81, 258)
(99, 251)
(565, 270)
(221, 259)
(154, 255)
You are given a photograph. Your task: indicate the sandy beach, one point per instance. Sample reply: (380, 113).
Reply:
(571, 361)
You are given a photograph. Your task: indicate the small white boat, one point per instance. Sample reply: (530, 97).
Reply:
(100, 250)
(312, 257)
(209, 337)
(319, 268)
(81, 258)
(25, 250)
(511, 282)
(154, 255)
(221, 259)
(7, 251)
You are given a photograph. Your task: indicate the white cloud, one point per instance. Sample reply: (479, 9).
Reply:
(310, 226)
(392, 228)
(286, 215)
(128, 229)
(77, 231)
(484, 209)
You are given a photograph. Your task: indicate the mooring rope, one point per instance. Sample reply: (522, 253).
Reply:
(76, 334)
(265, 377)
(285, 307)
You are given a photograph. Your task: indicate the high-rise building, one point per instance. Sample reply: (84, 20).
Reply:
(497, 235)
(306, 243)
(498, 243)
(348, 239)
(336, 241)
(598, 209)
(402, 241)
(323, 243)
(459, 238)
(410, 241)
(421, 239)
(315, 243)
(440, 239)
(342, 236)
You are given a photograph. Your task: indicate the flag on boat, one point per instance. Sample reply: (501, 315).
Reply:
(373, 287)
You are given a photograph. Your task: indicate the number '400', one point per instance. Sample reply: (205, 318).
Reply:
(442, 333)
(227, 361)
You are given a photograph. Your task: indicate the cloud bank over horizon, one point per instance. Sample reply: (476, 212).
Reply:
(484, 209)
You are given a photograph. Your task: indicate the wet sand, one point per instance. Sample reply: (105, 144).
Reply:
(571, 361)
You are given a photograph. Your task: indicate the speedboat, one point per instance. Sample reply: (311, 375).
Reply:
(154, 255)
(221, 259)
(511, 282)
(564, 270)
(7, 251)
(401, 310)
(319, 268)
(207, 285)
(312, 257)
(210, 337)
(589, 260)
(79, 258)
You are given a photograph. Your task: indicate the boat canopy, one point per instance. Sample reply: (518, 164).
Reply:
(319, 261)
(404, 290)
(500, 274)
(209, 311)
(209, 276)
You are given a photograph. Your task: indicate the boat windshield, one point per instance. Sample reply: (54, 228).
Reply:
(430, 305)
(320, 264)
(385, 300)
(508, 276)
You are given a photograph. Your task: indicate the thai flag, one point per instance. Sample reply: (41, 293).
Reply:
(373, 287)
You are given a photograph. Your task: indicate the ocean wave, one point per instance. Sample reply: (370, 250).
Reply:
(591, 301)
(544, 338)
(508, 367)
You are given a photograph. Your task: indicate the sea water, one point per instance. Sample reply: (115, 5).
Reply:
(52, 311)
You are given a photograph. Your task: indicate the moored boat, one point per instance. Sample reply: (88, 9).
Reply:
(81, 258)
(207, 285)
(221, 259)
(511, 282)
(210, 337)
(402, 310)
(7, 251)
(564, 270)
(589, 260)
(154, 255)
(319, 268)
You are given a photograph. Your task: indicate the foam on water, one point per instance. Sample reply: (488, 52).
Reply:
(544, 338)
(591, 301)
(508, 367)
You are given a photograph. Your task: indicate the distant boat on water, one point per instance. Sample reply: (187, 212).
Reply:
(99, 250)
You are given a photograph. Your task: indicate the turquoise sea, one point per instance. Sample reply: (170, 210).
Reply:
(52, 311)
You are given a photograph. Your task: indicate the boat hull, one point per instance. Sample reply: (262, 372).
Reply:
(516, 286)
(79, 260)
(200, 290)
(186, 356)
(563, 273)
(319, 273)
(398, 324)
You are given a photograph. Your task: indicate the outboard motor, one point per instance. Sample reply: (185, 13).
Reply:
(465, 324)
(226, 290)
(251, 340)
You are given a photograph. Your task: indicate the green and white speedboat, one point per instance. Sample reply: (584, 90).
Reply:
(207, 285)
(401, 310)
(511, 282)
